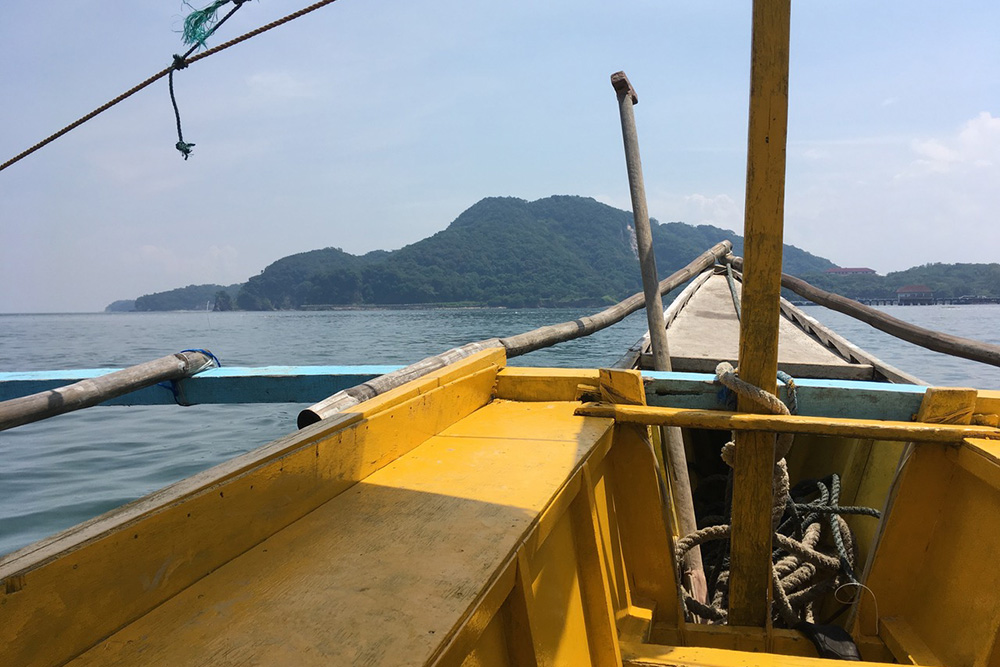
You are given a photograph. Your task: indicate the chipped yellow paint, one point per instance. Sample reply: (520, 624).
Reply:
(947, 405)
(622, 386)
(121, 573)
(932, 572)
(797, 424)
(443, 526)
(988, 402)
(542, 384)
(651, 655)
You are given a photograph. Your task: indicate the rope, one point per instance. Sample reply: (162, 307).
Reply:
(785, 378)
(162, 73)
(198, 26)
(727, 375)
(802, 570)
(181, 145)
(214, 359)
(177, 389)
(791, 391)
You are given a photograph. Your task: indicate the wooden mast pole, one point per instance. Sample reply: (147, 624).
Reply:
(627, 98)
(676, 463)
(750, 572)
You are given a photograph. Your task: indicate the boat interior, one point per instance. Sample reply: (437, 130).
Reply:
(494, 515)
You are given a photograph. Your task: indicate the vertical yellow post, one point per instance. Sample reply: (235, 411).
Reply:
(750, 574)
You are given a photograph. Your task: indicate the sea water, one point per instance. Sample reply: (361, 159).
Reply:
(67, 469)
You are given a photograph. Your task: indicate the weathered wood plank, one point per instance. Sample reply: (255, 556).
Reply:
(387, 573)
(846, 348)
(817, 398)
(707, 331)
(750, 553)
(634, 354)
(957, 346)
(797, 424)
(546, 336)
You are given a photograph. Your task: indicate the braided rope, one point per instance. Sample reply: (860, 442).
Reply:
(728, 376)
(802, 571)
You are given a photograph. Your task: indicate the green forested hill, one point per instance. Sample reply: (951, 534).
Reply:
(948, 281)
(192, 297)
(502, 251)
(505, 251)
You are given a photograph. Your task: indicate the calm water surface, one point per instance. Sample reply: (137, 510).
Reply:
(68, 469)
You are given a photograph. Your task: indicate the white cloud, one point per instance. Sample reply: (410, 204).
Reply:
(895, 204)
(975, 147)
(935, 156)
(719, 210)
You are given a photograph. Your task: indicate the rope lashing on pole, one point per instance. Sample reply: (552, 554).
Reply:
(162, 73)
(198, 26)
(175, 388)
(802, 570)
(784, 377)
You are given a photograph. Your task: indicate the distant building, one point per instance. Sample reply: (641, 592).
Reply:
(910, 295)
(852, 271)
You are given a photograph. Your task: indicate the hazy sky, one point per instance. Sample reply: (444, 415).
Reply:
(374, 123)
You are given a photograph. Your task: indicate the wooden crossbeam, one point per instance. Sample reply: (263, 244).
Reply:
(797, 424)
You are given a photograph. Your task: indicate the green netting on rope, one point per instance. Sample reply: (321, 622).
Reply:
(200, 23)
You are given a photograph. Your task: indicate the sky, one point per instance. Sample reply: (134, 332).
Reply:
(371, 124)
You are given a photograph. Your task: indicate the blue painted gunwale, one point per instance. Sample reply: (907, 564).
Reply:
(850, 399)
(309, 384)
(265, 384)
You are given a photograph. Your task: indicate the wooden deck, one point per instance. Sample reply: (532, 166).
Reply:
(386, 571)
(707, 331)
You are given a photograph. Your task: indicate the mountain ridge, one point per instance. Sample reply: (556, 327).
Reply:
(501, 251)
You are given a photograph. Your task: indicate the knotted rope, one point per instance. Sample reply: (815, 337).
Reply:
(162, 73)
(198, 26)
(802, 569)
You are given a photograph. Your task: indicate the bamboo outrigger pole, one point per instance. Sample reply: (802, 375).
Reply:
(85, 393)
(750, 555)
(956, 346)
(517, 345)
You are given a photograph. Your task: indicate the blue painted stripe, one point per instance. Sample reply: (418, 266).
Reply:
(309, 384)
(267, 384)
(820, 398)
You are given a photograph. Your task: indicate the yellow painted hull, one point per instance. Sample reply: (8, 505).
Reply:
(475, 517)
